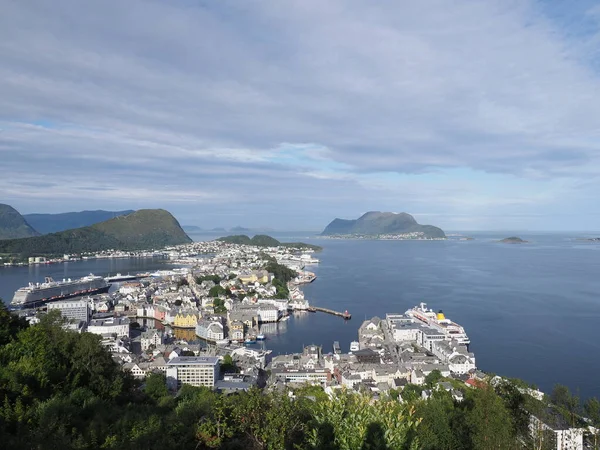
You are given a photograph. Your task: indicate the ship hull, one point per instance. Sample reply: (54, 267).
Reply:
(36, 299)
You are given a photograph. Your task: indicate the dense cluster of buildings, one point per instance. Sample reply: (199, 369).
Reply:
(226, 298)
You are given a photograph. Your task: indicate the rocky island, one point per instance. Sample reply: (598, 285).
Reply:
(382, 225)
(513, 240)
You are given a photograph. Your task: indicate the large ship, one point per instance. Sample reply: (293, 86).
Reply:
(37, 294)
(438, 321)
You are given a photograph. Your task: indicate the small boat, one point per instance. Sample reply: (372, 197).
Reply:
(354, 346)
(250, 340)
(260, 337)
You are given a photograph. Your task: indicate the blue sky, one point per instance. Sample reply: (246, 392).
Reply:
(285, 114)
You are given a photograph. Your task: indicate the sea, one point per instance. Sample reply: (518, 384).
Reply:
(532, 311)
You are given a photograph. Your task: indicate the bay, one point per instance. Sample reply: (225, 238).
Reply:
(532, 310)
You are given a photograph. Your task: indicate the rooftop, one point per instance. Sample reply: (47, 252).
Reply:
(193, 360)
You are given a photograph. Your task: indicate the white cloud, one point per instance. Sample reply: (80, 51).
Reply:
(275, 100)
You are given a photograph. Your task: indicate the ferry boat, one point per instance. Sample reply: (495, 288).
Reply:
(36, 294)
(119, 277)
(439, 322)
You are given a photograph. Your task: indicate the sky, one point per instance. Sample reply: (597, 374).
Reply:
(472, 114)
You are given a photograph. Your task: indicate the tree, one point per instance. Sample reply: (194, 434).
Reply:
(156, 386)
(10, 324)
(228, 364)
(489, 421)
(433, 377)
(592, 412)
(435, 431)
(561, 397)
(216, 291)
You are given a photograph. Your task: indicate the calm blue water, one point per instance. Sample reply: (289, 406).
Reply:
(532, 311)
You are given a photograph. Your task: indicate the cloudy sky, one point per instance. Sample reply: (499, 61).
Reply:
(481, 114)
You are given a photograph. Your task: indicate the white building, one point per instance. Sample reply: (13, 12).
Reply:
(192, 370)
(75, 310)
(210, 330)
(153, 337)
(554, 430)
(111, 325)
(458, 358)
(268, 313)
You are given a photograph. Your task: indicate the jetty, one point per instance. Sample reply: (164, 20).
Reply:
(344, 315)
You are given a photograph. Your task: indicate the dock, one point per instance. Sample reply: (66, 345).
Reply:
(344, 315)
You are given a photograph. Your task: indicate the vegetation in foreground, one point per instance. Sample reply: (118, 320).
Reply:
(62, 390)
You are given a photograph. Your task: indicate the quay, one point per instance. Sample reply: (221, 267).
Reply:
(345, 315)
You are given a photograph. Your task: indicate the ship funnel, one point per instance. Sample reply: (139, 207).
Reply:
(440, 315)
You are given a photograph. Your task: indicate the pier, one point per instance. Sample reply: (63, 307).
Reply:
(344, 315)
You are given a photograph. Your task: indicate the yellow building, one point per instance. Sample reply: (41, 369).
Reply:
(248, 278)
(185, 320)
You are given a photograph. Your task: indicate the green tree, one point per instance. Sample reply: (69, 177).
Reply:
(433, 377)
(435, 430)
(489, 421)
(592, 412)
(216, 291)
(156, 386)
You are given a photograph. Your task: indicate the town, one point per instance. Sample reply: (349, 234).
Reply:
(199, 324)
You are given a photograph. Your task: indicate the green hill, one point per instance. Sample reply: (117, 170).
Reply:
(13, 225)
(143, 229)
(375, 223)
(53, 223)
(262, 240)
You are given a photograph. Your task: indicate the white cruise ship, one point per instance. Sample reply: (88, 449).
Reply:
(438, 321)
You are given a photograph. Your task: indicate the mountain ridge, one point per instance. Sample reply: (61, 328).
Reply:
(53, 223)
(142, 229)
(13, 225)
(377, 222)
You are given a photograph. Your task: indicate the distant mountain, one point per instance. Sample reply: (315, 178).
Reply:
(143, 229)
(53, 223)
(375, 222)
(13, 225)
(262, 240)
(239, 229)
(191, 228)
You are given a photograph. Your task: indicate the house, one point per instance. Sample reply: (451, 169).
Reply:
(151, 338)
(551, 428)
(185, 320)
(236, 330)
(210, 330)
(111, 325)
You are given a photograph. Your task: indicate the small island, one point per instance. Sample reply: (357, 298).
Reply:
(513, 240)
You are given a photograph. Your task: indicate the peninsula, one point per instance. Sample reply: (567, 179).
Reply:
(262, 240)
(383, 225)
(143, 229)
